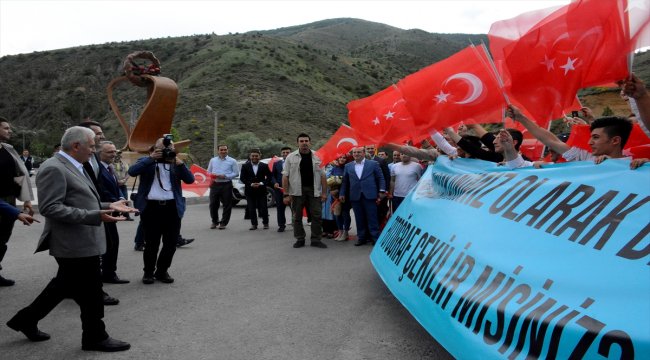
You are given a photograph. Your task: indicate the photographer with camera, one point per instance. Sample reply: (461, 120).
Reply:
(161, 204)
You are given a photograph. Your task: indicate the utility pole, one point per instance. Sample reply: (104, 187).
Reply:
(216, 125)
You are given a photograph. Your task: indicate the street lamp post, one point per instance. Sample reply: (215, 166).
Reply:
(216, 123)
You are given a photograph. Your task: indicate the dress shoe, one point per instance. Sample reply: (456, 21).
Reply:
(109, 300)
(164, 277)
(299, 244)
(183, 242)
(114, 280)
(107, 345)
(254, 227)
(281, 229)
(318, 244)
(266, 226)
(31, 332)
(360, 242)
(6, 282)
(213, 226)
(139, 248)
(147, 279)
(221, 227)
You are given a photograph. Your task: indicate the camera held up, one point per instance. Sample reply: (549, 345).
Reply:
(168, 154)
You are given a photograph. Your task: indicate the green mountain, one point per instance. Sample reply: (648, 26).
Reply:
(273, 84)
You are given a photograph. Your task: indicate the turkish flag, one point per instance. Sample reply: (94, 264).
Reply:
(545, 56)
(272, 161)
(456, 89)
(343, 140)
(381, 118)
(202, 181)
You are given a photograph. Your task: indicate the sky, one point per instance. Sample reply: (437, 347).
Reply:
(27, 26)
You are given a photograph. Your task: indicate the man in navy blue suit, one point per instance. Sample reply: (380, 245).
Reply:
(364, 186)
(276, 178)
(109, 191)
(162, 206)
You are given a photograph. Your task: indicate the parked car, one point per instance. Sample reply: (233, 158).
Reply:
(238, 187)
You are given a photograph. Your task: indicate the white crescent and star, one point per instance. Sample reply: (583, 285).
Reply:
(200, 175)
(347, 139)
(569, 65)
(475, 88)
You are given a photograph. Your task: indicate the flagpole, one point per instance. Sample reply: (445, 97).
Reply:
(496, 73)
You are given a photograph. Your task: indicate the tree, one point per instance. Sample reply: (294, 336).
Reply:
(607, 111)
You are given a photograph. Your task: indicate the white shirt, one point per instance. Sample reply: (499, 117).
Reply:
(358, 168)
(255, 166)
(74, 162)
(577, 154)
(156, 192)
(406, 177)
(517, 162)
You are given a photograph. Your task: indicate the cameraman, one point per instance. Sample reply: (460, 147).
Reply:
(161, 204)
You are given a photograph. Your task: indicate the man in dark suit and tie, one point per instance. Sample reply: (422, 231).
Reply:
(276, 178)
(92, 168)
(74, 235)
(109, 192)
(364, 186)
(256, 176)
(382, 206)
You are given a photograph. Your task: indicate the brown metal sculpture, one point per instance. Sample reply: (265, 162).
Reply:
(158, 114)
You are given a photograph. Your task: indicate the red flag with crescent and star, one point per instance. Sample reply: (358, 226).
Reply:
(381, 118)
(202, 181)
(343, 140)
(456, 89)
(546, 56)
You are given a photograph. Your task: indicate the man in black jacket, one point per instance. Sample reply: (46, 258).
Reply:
(256, 176)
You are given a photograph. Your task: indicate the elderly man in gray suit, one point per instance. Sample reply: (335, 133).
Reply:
(75, 237)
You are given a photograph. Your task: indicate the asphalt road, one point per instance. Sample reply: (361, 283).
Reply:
(238, 294)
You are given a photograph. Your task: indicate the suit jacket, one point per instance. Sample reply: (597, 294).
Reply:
(370, 183)
(247, 176)
(9, 211)
(71, 207)
(276, 173)
(384, 168)
(109, 190)
(145, 167)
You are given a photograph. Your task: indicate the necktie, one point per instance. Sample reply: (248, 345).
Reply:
(110, 171)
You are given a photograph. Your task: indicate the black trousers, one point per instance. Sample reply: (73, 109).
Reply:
(6, 228)
(221, 193)
(109, 260)
(159, 220)
(257, 202)
(79, 279)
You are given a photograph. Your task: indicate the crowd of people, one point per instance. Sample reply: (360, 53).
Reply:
(83, 194)
(368, 184)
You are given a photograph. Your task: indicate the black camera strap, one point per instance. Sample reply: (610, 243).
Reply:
(134, 182)
(158, 176)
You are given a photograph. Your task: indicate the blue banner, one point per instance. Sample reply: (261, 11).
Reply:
(528, 263)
